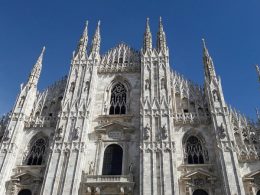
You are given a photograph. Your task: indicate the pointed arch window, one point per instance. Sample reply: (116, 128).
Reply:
(25, 192)
(36, 153)
(199, 192)
(195, 152)
(118, 99)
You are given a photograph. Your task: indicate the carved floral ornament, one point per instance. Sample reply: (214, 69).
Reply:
(150, 147)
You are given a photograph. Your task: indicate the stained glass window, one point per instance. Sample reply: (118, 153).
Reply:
(118, 99)
(195, 153)
(36, 153)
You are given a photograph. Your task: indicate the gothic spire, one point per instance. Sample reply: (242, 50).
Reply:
(147, 45)
(36, 71)
(82, 45)
(208, 63)
(257, 114)
(258, 72)
(161, 38)
(96, 40)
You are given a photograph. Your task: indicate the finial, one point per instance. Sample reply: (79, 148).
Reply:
(257, 113)
(43, 49)
(203, 41)
(147, 44)
(147, 22)
(41, 55)
(99, 23)
(258, 71)
(205, 47)
(160, 23)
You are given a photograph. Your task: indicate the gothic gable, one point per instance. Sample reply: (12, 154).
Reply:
(122, 58)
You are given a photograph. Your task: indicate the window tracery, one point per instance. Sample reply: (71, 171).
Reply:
(195, 153)
(118, 99)
(36, 152)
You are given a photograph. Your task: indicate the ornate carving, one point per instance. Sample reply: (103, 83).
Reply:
(120, 59)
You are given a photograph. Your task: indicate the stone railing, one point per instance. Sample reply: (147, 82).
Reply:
(190, 118)
(106, 184)
(42, 121)
(107, 178)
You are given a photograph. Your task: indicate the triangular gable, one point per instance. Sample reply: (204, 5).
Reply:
(22, 174)
(114, 126)
(198, 172)
(251, 176)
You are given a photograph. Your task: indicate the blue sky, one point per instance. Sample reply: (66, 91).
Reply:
(231, 30)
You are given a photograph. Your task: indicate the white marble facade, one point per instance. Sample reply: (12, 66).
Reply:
(126, 123)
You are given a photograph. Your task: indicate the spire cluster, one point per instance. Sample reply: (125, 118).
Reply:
(161, 44)
(83, 42)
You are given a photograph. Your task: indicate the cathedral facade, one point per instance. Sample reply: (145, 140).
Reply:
(126, 123)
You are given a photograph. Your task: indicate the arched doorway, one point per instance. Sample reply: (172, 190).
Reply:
(25, 192)
(199, 192)
(113, 157)
(258, 192)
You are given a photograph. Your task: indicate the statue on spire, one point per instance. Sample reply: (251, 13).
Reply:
(82, 45)
(208, 62)
(147, 44)
(36, 71)
(161, 38)
(258, 72)
(96, 40)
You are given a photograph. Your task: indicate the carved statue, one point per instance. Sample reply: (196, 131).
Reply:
(164, 132)
(21, 101)
(162, 83)
(6, 135)
(147, 130)
(131, 168)
(221, 131)
(147, 84)
(86, 86)
(72, 87)
(215, 96)
(75, 134)
(91, 168)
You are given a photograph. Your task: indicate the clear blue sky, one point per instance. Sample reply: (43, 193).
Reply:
(231, 30)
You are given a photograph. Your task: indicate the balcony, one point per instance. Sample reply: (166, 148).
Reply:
(42, 121)
(111, 184)
(191, 118)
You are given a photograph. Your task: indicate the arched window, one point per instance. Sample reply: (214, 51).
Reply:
(113, 158)
(195, 152)
(25, 192)
(118, 99)
(199, 192)
(36, 153)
